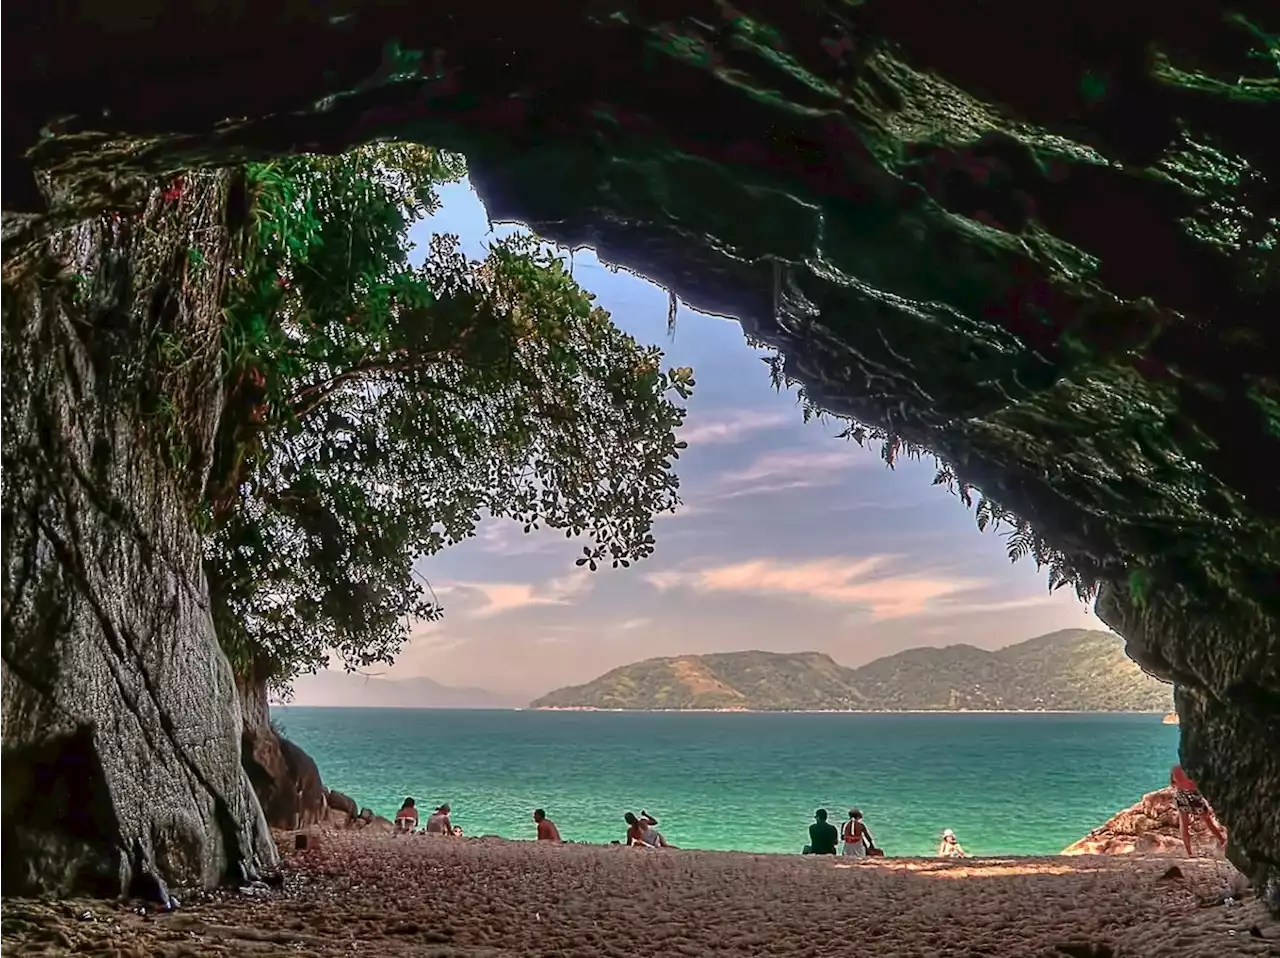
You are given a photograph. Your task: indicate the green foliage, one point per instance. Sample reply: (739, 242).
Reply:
(378, 409)
(1075, 670)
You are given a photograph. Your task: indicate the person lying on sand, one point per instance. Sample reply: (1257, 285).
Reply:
(636, 830)
(438, 823)
(857, 839)
(547, 831)
(949, 847)
(641, 833)
(457, 831)
(1188, 800)
(823, 836)
(652, 836)
(407, 817)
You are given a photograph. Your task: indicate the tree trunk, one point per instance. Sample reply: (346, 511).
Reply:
(121, 737)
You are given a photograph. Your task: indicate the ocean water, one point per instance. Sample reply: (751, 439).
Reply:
(1008, 784)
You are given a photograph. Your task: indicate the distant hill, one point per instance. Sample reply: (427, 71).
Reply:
(350, 690)
(1071, 670)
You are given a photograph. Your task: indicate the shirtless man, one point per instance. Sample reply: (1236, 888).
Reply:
(547, 831)
(1188, 800)
(438, 823)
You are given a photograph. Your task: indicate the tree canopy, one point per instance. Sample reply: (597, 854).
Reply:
(377, 409)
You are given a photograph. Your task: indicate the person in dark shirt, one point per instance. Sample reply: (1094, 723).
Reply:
(822, 835)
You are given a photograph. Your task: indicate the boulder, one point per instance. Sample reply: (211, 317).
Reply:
(1149, 827)
(121, 726)
(338, 818)
(366, 815)
(343, 803)
(285, 778)
(381, 825)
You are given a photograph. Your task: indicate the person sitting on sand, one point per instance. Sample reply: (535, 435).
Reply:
(407, 817)
(823, 836)
(457, 831)
(438, 823)
(949, 847)
(857, 839)
(547, 831)
(1188, 801)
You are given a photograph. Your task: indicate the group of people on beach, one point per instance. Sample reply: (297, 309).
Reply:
(824, 838)
(642, 829)
(858, 842)
(438, 822)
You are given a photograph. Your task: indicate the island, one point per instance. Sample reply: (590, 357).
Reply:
(1073, 670)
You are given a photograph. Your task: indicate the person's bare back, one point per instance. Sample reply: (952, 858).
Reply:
(439, 823)
(547, 831)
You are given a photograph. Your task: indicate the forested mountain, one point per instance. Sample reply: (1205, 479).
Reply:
(1071, 670)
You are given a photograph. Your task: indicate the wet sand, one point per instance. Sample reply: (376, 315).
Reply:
(387, 896)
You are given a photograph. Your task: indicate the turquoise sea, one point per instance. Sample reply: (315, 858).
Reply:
(1007, 784)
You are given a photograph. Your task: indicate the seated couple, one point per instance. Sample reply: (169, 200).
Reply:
(643, 833)
(437, 822)
(823, 836)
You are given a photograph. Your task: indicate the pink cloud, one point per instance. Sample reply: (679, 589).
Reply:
(840, 581)
(507, 538)
(729, 428)
(781, 470)
(496, 598)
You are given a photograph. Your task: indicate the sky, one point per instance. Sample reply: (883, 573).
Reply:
(789, 539)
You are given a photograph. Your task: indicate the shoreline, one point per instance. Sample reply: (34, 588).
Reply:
(590, 708)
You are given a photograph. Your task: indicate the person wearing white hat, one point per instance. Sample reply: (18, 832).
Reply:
(949, 847)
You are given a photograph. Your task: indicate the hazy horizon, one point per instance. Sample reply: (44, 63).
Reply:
(789, 540)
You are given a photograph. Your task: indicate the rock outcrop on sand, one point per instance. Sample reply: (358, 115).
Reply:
(1041, 246)
(1149, 827)
(285, 778)
(121, 727)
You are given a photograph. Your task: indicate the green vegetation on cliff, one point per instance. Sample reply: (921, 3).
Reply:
(1071, 670)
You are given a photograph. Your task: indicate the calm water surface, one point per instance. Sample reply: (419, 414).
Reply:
(1008, 784)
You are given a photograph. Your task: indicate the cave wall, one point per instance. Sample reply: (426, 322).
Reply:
(121, 725)
(1226, 673)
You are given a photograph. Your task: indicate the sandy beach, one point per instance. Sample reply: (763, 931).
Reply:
(389, 896)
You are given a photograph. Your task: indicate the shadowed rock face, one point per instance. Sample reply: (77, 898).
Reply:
(121, 748)
(1040, 242)
(285, 778)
